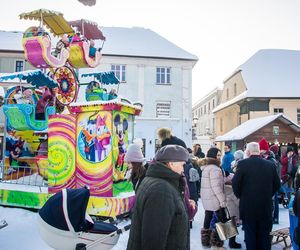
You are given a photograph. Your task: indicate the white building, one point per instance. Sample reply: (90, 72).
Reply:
(152, 70)
(203, 118)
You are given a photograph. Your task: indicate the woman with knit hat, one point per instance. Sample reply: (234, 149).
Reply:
(212, 196)
(134, 159)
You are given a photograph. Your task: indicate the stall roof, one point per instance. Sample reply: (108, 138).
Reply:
(34, 77)
(249, 127)
(104, 77)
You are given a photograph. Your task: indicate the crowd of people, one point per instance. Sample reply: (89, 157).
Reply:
(169, 187)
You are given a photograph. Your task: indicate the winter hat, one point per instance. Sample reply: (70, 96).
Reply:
(172, 153)
(274, 149)
(134, 154)
(289, 149)
(263, 144)
(212, 153)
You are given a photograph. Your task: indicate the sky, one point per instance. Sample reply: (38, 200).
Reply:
(222, 34)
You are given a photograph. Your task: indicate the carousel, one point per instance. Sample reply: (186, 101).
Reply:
(53, 140)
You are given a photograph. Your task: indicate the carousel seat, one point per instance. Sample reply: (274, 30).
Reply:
(79, 55)
(38, 52)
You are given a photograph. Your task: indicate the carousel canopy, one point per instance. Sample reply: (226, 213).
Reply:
(104, 77)
(52, 19)
(88, 29)
(34, 77)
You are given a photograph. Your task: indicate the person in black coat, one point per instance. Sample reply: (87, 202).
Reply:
(166, 137)
(160, 220)
(254, 183)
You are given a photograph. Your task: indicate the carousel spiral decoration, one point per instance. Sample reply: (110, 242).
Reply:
(67, 85)
(61, 152)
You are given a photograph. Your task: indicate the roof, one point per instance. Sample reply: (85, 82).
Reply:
(272, 73)
(208, 96)
(269, 73)
(249, 127)
(231, 101)
(11, 40)
(135, 42)
(141, 42)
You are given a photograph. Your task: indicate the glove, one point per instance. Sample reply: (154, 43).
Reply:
(227, 173)
(222, 215)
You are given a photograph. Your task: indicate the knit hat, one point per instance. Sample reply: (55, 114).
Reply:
(212, 153)
(274, 149)
(172, 153)
(289, 149)
(134, 154)
(263, 144)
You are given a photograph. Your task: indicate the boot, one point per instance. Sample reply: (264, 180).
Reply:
(215, 239)
(205, 237)
(233, 244)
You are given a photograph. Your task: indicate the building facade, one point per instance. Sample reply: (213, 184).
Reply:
(152, 71)
(203, 117)
(264, 85)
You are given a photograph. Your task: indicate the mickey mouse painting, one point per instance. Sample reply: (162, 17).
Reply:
(121, 127)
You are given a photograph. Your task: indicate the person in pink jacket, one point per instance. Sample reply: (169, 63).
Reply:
(212, 196)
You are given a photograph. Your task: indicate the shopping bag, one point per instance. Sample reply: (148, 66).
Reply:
(227, 229)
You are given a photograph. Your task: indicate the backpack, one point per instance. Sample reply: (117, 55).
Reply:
(194, 175)
(277, 164)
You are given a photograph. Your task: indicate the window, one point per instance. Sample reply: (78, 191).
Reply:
(278, 110)
(163, 75)
(234, 90)
(213, 103)
(119, 71)
(221, 124)
(298, 116)
(201, 111)
(204, 109)
(163, 109)
(208, 107)
(227, 94)
(19, 66)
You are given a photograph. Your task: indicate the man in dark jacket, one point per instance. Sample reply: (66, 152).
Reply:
(254, 183)
(159, 220)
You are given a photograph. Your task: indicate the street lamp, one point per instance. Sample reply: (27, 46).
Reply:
(194, 128)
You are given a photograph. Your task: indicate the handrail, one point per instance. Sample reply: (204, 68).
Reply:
(24, 175)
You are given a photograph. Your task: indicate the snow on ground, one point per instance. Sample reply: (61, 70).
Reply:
(22, 232)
